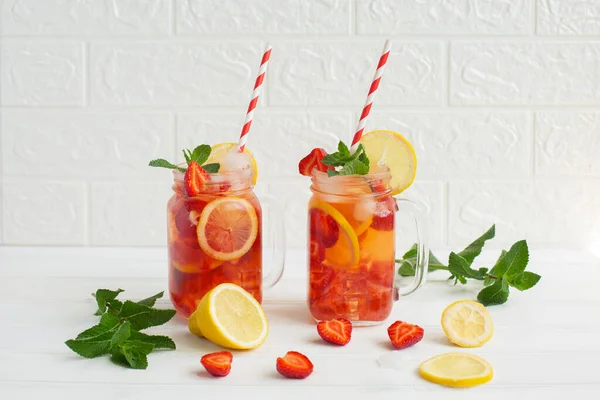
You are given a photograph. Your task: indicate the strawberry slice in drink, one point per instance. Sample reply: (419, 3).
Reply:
(316, 252)
(323, 228)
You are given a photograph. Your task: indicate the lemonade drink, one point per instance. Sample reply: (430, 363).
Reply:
(213, 238)
(351, 247)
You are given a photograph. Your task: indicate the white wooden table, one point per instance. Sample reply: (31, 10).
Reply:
(546, 343)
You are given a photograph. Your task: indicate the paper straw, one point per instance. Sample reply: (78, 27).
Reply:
(255, 93)
(372, 90)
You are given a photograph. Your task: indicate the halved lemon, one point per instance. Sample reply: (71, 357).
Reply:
(456, 370)
(392, 150)
(467, 323)
(227, 228)
(218, 152)
(344, 254)
(231, 317)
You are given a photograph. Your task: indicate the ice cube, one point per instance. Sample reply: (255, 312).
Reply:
(233, 160)
(363, 210)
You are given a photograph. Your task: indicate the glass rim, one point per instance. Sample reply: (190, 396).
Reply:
(241, 174)
(322, 177)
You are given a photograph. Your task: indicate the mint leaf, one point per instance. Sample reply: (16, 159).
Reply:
(122, 333)
(142, 317)
(150, 301)
(212, 168)
(159, 162)
(524, 280)
(343, 149)
(409, 261)
(103, 296)
(494, 294)
(201, 154)
(187, 155)
(136, 353)
(108, 322)
(516, 259)
(474, 249)
(91, 348)
(354, 167)
(159, 342)
(459, 267)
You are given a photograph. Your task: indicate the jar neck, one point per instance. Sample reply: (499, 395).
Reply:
(351, 186)
(229, 183)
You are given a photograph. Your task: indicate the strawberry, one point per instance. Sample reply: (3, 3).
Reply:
(337, 331)
(294, 365)
(195, 178)
(317, 252)
(323, 227)
(320, 277)
(404, 335)
(383, 223)
(217, 364)
(312, 161)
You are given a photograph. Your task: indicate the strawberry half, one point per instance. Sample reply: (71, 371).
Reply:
(294, 365)
(323, 227)
(404, 335)
(195, 179)
(217, 364)
(337, 331)
(317, 252)
(312, 161)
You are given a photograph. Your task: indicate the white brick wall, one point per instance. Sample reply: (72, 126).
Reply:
(499, 97)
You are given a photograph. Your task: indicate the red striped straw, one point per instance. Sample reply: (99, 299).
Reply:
(372, 90)
(255, 93)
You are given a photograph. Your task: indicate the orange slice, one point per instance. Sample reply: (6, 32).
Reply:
(227, 228)
(344, 254)
(218, 152)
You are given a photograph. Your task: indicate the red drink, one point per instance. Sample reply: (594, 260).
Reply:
(214, 237)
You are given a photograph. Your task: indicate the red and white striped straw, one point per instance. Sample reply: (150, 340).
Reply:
(372, 90)
(255, 93)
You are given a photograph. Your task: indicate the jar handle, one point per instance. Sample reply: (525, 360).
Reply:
(276, 226)
(422, 249)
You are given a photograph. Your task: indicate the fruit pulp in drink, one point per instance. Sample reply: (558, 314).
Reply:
(193, 272)
(343, 284)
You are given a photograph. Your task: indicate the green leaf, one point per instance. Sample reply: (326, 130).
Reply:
(524, 281)
(474, 249)
(354, 167)
(103, 296)
(343, 149)
(142, 317)
(150, 301)
(91, 348)
(458, 266)
(212, 168)
(409, 260)
(159, 162)
(136, 353)
(108, 322)
(516, 259)
(122, 333)
(159, 342)
(332, 172)
(201, 154)
(494, 294)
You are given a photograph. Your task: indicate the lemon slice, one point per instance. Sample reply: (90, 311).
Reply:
(390, 149)
(227, 228)
(467, 323)
(218, 152)
(457, 370)
(230, 317)
(344, 254)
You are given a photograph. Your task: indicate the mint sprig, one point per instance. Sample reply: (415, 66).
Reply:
(345, 163)
(118, 331)
(199, 155)
(508, 271)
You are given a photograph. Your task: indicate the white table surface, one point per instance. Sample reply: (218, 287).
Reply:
(546, 343)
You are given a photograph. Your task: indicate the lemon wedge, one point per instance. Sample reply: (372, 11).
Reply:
(456, 370)
(467, 323)
(344, 254)
(392, 150)
(230, 317)
(219, 151)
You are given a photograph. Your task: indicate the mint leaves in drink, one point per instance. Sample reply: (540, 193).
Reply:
(508, 271)
(345, 163)
(200, 154)
(118, 332)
